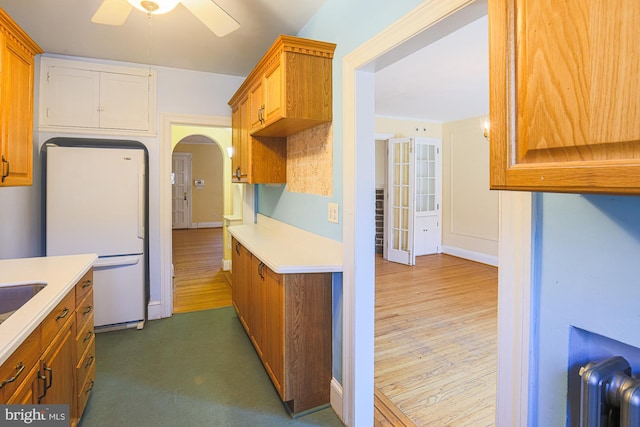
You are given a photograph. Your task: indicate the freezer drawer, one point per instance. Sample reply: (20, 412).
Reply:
(119, 291)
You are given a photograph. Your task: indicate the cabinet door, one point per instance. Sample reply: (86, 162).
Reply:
(244, 162)
(565, 96)
(257, 305)
(273, 92)
(56, 369)
(236, 119)
(16, 111)
(241, 279)
(256, 105)
(274, 328)
(124, 101)
(71, 97)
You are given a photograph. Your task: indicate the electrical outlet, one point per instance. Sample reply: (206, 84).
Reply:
(333, 212)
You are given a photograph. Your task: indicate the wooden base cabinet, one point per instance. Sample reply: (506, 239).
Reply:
(56, 363)
(289, 324)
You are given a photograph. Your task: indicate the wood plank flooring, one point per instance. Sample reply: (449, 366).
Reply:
(436, 341)
(199, 282)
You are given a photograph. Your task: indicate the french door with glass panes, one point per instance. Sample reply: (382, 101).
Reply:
(413, 199)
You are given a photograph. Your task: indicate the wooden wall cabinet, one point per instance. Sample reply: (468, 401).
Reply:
(290, 90)
(288, 319)
(17, 51)
(55, 364)
(565, 96)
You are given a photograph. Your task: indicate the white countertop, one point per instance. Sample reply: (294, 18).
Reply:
(286, 249)
(60, 273)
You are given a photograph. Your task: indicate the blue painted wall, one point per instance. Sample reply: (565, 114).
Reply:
(587, 267)
(348, 24)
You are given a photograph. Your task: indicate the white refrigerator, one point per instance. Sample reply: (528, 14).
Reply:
(96, 203)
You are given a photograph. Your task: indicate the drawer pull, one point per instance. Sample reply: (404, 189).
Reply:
(87, 310)
(89, 362)
(63, 315)
(19, 369)
(86, 284)
(88, 390)
(88, 336)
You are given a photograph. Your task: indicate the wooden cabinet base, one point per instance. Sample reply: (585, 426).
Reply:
(288, 319)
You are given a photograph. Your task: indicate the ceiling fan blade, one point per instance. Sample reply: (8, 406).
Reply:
(112, 12)
(213, 16)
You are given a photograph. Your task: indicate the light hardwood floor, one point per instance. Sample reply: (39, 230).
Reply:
(199, 282)
(436, 341)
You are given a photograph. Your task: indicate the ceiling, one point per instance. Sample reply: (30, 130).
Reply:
(447, 80)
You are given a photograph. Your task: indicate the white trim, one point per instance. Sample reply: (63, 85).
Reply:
(167, 121)
(382, 136)
(226, 264)
(216, 224)
(470, 255)
(336, 398)
(514, 308)
(155, 310)
(515, 243)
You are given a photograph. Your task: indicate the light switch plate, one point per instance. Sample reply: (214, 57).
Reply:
(333, 212)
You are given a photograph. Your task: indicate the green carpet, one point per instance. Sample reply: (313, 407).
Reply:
(193, 369)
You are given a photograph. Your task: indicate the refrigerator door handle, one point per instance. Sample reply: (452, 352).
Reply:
(116, 261)
(141, 202)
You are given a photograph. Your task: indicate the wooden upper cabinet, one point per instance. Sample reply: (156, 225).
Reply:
(290, 90)
(565, 96)
(17, 51)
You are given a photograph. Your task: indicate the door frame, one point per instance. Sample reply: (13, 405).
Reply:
(164, 307)
(187, 183)
(516, 219)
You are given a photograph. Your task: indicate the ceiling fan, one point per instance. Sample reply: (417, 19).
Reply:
(115, 12)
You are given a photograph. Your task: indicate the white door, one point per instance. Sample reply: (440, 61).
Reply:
(400, 201)
(428, 193)
(181, 190)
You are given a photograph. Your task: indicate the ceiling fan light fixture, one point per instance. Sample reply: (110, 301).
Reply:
(155, 7)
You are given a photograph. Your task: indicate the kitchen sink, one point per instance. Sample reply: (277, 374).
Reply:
(15, 296)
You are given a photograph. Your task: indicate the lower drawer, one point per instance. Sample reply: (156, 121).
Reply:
(86, 363)
(85, 391)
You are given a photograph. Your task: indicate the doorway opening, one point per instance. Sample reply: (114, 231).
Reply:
(435, 338)
(197, 181)
(359, 127)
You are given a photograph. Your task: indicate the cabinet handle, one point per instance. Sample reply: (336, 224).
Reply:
(63, 315)
(87, 337)
(260, 268)
(19, 369)
(44, 386)
(89, 362)
(238, 248)
(5, 175)
(48, 369)
(86, 284)
(88, 390)
(87, 310)
(238, 173)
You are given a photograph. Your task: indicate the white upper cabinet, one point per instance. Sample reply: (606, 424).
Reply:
(80, 96)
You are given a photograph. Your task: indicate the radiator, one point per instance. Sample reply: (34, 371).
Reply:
(609, 395)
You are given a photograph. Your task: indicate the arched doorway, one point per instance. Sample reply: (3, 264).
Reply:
(199, 281)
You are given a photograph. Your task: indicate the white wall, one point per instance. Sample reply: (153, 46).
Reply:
(470, 209)
(180, 92)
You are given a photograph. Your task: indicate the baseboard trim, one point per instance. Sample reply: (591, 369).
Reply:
(226, 264)
(336, 399)
(216, 224)
(470, 255)
(156, 310)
